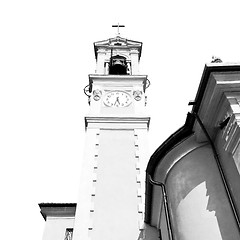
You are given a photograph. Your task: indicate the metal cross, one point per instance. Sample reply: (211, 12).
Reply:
(118, 26)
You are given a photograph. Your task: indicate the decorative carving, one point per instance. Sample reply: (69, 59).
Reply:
(137, 95)
(97, 94)
(216, 60)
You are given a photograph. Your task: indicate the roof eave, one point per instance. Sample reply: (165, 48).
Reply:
(57, 209)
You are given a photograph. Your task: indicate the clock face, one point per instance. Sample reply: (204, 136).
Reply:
(117, 99)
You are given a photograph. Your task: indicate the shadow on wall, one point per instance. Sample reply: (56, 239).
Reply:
(199, 205)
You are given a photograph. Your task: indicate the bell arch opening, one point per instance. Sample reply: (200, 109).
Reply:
(118, 65)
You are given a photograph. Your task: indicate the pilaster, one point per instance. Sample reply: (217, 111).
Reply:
(100, 61)
(134, 59)
(85, 206)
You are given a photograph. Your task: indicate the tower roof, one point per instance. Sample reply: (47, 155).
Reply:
(118, 42)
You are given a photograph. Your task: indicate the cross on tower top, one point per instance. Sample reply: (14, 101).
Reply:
(118, 26)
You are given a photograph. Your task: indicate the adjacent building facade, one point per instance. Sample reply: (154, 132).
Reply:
(192, 179)
(189, 189)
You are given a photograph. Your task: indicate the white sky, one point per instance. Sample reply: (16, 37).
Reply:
(46, 54)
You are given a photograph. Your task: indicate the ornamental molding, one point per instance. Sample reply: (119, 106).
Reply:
(137, 95)
(117, 122)
(231, 117)
(220, 98)
(118, 80)
(97, 94)
(119, 40)
(100, 77)
(55, 210)
(118, 43)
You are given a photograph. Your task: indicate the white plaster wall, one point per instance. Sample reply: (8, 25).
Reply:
(139, 106)
(95, 106)
(55, 228)
(100, 61)
(128, 85)
(112, 184)
(134, 61)
(115, 203)
(199, 205)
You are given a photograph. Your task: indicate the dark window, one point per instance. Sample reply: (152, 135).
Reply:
(118, 65)
(68, 234)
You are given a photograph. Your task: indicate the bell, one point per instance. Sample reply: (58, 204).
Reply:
(118, 62)
(118, 65)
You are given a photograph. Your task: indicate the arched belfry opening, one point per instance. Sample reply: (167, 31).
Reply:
(118, 65)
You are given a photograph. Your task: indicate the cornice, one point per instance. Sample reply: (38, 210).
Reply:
(209, 69)
(102, 77)
(218, 81)
(118, 79)
(109, 43)
(117, 122)
(57, 209)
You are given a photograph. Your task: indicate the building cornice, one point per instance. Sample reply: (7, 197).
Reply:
(208, 69)
(109, 43)
(102, 77)
(57, 209)
(117, 122)
(217, 80)
(118, 79)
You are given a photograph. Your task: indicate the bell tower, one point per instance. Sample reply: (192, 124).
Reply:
(118, 56)
(111, 189)
(112, 182)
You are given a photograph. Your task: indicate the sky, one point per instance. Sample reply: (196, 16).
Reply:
(46, 54)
